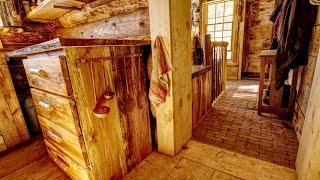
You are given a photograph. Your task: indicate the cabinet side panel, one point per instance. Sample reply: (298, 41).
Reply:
(13, 128)
(103, 136)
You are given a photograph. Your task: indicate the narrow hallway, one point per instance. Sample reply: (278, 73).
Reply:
(233, 124)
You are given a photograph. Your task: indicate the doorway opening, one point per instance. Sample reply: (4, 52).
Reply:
(233, 122)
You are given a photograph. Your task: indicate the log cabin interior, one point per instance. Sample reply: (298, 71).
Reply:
(160, 89)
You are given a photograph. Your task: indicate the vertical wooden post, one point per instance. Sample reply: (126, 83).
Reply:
(172, 21)
(261, 84)
(208, 52)
(224, 61)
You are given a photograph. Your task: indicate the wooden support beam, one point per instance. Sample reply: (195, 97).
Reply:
(97, 3)
(172, 21)
(66, 7)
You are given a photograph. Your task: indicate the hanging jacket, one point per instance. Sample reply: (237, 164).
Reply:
(293, 36)
(276, 11)
(275, 17)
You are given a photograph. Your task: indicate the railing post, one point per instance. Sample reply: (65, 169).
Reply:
(225, 46)
(219, 68)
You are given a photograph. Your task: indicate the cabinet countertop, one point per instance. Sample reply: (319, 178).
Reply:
(65, 42)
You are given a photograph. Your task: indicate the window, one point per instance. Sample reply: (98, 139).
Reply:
(219, 22)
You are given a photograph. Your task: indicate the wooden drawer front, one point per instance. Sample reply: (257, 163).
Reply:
(67, 142)
(49, 74)
(69, 166)
(60, 110)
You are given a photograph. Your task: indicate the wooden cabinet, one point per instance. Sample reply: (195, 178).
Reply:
(91, 100)
(13, 128)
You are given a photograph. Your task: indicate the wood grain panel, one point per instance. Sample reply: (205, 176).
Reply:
(118, 142)
(103, 136)
(14, 160)
(130, 84)
(12, 125)
(116, 27)
(3, 146)
(60, 110)
(7, 127)
(49, 74)
(43, 168)
(20, 125)
(101, 10)
(69, 166)
(64, 140)
(202, 96)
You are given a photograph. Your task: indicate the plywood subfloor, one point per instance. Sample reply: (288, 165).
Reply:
(202, 161)
(29, 161)
(233, 124)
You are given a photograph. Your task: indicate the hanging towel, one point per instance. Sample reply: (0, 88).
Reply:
(160, 82)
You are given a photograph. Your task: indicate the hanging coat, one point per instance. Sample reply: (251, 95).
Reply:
(293, 36)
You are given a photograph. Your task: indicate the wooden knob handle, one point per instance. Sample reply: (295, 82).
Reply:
(54, 136)
(46, 105)
(101, 111)
(39, 72)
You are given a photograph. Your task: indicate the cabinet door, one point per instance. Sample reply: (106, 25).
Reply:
(12, 124)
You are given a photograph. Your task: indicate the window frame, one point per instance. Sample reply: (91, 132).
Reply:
(205, 24)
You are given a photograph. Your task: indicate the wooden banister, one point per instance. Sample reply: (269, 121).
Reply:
(219, 75)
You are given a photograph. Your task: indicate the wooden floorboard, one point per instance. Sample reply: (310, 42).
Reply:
(201, 161)
(196, 160)
(43, 168)
(29, 161)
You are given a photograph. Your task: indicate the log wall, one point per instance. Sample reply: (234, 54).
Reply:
(107, 19)
(114, 27)
(258, 31)
(100, 10)
(16, 38)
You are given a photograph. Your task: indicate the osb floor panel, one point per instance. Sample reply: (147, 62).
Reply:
(233, 124)
(29, 161)
(202, 161)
